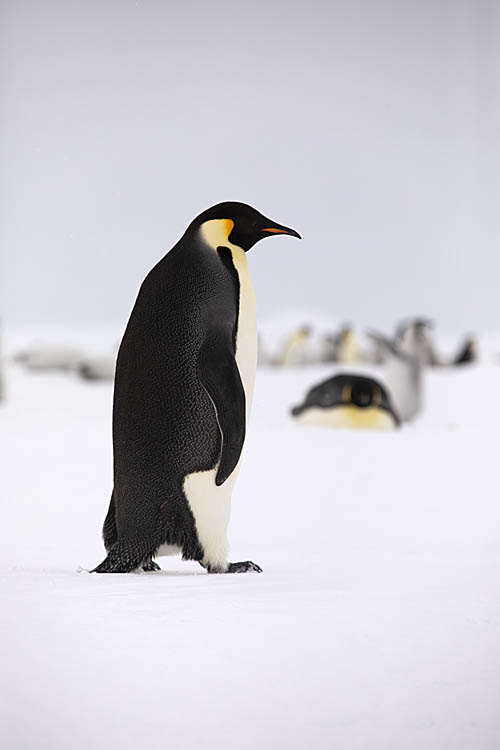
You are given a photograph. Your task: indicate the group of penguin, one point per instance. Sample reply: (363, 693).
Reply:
(359, 401)
(66, 358)
(348, 399)
(312, 344)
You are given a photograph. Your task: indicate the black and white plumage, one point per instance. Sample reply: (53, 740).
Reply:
(183, 389)
(348, 400)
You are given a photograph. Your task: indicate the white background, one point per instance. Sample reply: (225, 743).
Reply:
(371, 127)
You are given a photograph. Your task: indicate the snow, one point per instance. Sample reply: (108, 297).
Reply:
(376, 622)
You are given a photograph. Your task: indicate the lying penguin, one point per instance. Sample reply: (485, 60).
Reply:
(348, 400)
(48, 357)
(97, 368)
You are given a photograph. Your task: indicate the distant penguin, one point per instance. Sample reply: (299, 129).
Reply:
(403, 377)
(414, 337)
(47, 357)
(183, 390)
(346, 346)
(347, 400)
(97, 368)
(467, 352)
(294, 348)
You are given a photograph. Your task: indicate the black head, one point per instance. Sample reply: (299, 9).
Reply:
(244, 225)
(347, 389)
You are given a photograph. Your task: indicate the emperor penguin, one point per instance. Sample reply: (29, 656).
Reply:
(414, 337)
(346, 346)
(293, 350)
(467, 352)
(403, 377)
(348, 400)
(183, 390)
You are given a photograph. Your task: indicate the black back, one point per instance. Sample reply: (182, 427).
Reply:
(164, 421)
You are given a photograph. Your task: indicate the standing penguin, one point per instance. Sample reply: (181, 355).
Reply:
(403, 377)
(183, 389)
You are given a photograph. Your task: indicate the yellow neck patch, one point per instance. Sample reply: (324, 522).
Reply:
(216, 232)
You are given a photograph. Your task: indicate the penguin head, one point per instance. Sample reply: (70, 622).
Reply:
(344, 399)
(237, 223)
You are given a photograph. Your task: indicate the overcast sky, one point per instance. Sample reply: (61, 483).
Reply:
(372, 128)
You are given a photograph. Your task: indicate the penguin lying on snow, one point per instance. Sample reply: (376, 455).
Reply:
(346, 400)
(97, 368)
(183, 389)
(47, 357)
(100, 367)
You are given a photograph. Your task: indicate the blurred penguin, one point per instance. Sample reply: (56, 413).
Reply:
(348, 401)
(344, 347)
(414, 338)
(97, 368)
(467, 352)
(295, 348)
(403, 377)
(42, 357)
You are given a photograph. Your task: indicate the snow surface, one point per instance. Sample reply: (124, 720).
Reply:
(376, 622)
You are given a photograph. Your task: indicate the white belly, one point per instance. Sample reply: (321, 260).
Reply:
(210, 504)
(246, 339)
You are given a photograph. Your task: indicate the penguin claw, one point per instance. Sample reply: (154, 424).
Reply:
(244, 567)
(150, 565)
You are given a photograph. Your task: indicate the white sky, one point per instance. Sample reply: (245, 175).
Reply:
(371, 127)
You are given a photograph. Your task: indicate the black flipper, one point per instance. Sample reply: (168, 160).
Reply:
(221, 378)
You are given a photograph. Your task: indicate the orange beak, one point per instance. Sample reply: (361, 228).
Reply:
(282, 230)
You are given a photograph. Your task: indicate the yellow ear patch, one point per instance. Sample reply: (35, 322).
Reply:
(227, 225)
(216, 231)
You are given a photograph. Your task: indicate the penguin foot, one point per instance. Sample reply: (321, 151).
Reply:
(244, 567)
(108, 566)
(150, 565)
(124, 558)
